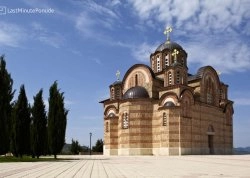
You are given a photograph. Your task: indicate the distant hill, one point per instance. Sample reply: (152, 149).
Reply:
(242, 150)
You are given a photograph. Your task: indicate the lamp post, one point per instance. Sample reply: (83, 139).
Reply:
(90, 134)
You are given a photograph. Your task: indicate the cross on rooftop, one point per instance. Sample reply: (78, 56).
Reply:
(167, 32)
(118, 75)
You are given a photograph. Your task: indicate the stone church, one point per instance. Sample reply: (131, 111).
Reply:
(162, 109)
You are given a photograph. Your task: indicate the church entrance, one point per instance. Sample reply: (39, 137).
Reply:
(210, 134)
(210, 144)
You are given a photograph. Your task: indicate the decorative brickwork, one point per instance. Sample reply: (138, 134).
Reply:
(168, 111)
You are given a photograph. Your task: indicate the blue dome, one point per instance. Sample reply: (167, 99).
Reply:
(136, 92)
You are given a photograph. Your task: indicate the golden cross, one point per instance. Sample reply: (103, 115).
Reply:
(175, 54)
(118, 75)
(167, 32)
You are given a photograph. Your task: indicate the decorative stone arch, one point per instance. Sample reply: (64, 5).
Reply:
(110, 110)
(187, 93)
(186, 100)
(140, 75)
(169, 96)
(210, 84)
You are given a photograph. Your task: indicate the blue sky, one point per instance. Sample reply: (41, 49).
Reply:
(83, 43)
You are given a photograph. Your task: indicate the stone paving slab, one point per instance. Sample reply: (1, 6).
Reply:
(133, 166)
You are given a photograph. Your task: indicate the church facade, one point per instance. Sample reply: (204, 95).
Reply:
(164, 110)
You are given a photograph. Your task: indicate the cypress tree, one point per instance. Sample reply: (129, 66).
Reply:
(6, 95)
(38, 126)
(57, 120)
(21, 125)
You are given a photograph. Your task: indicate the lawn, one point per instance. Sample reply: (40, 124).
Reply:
(6, 159)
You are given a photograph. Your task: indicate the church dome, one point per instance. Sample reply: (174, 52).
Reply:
(169, 104)
(170, 45)
(136, 92)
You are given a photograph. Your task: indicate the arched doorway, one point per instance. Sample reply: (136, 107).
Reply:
(210, 134)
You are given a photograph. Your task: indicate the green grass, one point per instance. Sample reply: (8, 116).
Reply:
(7, 159)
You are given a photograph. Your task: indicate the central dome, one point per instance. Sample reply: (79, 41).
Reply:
(169, 45)
(136, 92)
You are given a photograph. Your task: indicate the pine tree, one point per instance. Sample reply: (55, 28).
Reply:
(6, 95)
(57, 120)
(21, 125)
(98, 146)
(75, 147)
(38, 126)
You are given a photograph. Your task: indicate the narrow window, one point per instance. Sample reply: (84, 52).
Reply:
(210, 91)
(166, 61)
(182, 61)
(169, 78)
(178, 77)
(107, 127)
(125, 121)
(136, 79)
(164, 119)
(117, 93)
(112, 93)
(158, 64)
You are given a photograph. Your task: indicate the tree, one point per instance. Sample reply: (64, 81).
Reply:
(21, 125)
(6, 95)
(38, 126)
(98, 146)
(75, 147)
(57, 120)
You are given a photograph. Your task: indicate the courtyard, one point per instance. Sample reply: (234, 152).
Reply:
(133, 166)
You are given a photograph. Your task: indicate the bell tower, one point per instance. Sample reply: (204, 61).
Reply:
(169, 62)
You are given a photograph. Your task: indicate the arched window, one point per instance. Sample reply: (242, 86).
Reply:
(164, 119)
(136, 80)
(112, 93)
(125, 121)
(107, 127)
(158, 63)
(178, 77)
(166, 61)
(182, 61)
(117, 93)
(169, 78)
(210, 91)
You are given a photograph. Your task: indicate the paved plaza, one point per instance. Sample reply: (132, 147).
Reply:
(133, 166)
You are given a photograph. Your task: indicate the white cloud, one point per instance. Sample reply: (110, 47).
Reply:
(225, 56)
(217, 32)
(242, 101)
(39, 32)
(102, 10)
(114, 2)
(85, 25)
(11, 35)
(143, 51)
(95, 20)
(201, 15)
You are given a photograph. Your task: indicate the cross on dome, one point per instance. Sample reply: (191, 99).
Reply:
(175, 54)
(167, 32)
(118, 75)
